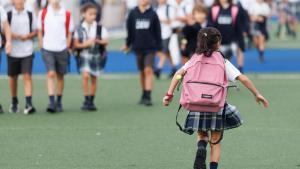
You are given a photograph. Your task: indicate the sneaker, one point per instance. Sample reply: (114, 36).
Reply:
(1, 109)
(14, 108)
(29, 110)
(142, 100)
(51, 108)
(59, 107)
(85, 106)
(148, 102)
(157, 73)
(92, 107)
(200, 159)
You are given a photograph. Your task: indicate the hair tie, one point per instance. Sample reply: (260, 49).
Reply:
(205, 34)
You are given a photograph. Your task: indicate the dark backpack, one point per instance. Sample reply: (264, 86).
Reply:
(103, 53)
(30, 16)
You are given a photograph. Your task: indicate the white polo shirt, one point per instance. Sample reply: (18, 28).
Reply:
(166, 29)
(55, 38)
(3, 18)
(20, 26)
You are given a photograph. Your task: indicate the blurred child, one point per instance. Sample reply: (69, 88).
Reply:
(91, 39)
(20, 60)
(55, 27)
(189, 42)
(209, 42)
(259, 13)
(166, 15)
(4, 27)
(228, 18)
(144, 37)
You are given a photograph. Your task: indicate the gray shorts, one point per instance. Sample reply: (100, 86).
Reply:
(56, 61)
(165, 46)
(145, 59)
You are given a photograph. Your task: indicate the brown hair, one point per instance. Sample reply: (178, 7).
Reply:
(217, 2)
(88, 6)
(200, 8)
(208, 41)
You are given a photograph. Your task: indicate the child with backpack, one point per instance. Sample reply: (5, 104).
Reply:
(20, 60)
(166, 14)
(189, 42)
(144, 38)
(55, 27)
(91, 39)
(229, 20)
(205, 81)
(259, 13)
(4, 27)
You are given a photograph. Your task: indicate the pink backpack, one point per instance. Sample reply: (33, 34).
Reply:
(204, 86)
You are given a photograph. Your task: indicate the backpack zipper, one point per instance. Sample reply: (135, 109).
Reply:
(206, 83)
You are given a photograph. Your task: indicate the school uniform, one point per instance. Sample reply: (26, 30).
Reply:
(144, 36)
(208, 121)
(21, 57)
(260, 9)
(230, 28)
(165, 12)
(190, 33)
(90, 58)
(55, 52)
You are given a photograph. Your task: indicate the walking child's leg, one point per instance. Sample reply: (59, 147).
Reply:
(215, 153)
(261, 48)
(59, 91)
(162, 59)
(200, 159)
(240, 59)
(28, 88)
(51, 76)
(93, 91)
(13, 84)
(148, 71)
(86, 90)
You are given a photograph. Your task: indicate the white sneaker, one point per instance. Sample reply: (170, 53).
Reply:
(29, 110)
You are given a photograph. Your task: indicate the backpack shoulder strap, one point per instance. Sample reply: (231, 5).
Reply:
(81, 31)
(44, 12)
(168, 11)
(215, 12)
(68, 20)
(30, 16)
(234, 13)
(99, 31)
(9, 17)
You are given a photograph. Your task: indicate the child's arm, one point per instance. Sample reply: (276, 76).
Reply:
(28, 36)
(102, 41)
(248, 83)
(175, 80)
(83, 45)
(40, 38)
(7, 33)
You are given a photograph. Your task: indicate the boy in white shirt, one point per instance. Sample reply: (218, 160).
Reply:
(55, 27)
(4, 27)
(20, 59)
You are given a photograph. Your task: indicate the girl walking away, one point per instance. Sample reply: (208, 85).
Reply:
(229, 19)
(91, 40)
(189, 43)
(204, 96)
(144, 37)
(259, 13)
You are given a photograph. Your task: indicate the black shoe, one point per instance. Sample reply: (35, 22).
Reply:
(85, 106)
(200, 159)
(29, 110)
(148, 102)
(1, 109)
(14, 108)
(51, 108)
(59, 107)
(92, 107)
(157, 73)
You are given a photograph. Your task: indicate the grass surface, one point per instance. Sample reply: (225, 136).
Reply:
(123, 135)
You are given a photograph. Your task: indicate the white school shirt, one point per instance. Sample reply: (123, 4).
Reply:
(166, 29)
(20, 25)
(181, 10)
(91, 31)
(231, 71)
(130, 4)
(55, 38)
(260, 9)
(3, 18)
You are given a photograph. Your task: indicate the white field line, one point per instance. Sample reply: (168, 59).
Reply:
(135, 76)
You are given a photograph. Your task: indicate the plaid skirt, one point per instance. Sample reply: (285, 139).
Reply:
(207, 121)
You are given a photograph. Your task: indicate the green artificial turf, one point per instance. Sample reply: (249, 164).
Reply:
(124, 135)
